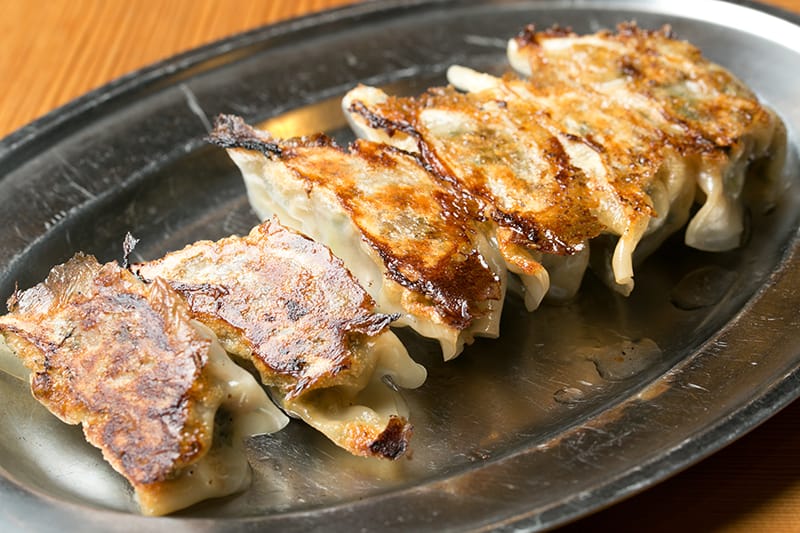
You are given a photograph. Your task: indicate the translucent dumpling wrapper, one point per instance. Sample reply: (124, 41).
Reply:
(152, 389)
(724, 134)
(412, 243)
(284, 303)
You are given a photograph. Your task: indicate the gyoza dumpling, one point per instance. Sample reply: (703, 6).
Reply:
(495, 149)
(707, 115)
(643, 116)
(286, 304)
(152, 389)
(412, 243)
(643, 186)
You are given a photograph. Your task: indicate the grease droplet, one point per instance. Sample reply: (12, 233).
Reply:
(569, 395)
(624, 359)
(702, 287)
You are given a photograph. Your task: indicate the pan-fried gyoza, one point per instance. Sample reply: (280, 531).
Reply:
(633, 133)
(644, 188)
(286, 304)
(152, 389)
(497, 152)
(603, 145)
(709, 116)
(411, 241)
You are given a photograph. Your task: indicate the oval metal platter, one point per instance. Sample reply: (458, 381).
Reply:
(549, 422)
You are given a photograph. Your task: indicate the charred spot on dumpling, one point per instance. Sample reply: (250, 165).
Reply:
(393, 442)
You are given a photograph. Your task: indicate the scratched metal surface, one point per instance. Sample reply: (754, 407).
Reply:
(545, 424)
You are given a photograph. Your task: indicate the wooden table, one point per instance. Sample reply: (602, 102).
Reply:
(55, 51)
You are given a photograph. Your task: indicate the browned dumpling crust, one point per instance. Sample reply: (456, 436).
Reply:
(83, 334)
(279, 299)
(286, 304)
(725, 135)
(419, 233)
(709, 107)
(497, 152)
(123, 359)
(609, 133)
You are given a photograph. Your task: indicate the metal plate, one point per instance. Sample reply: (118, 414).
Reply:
(549, 422)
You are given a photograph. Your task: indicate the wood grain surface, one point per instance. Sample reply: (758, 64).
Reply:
(55, 51)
